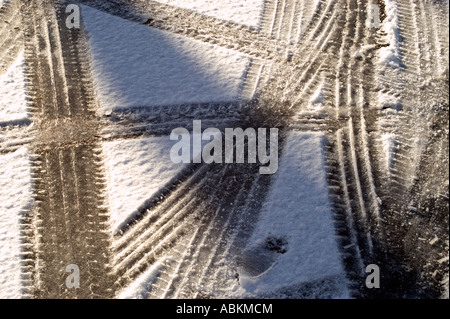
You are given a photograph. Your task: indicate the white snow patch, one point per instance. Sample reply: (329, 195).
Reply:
(136, 170)
(135, 65)
(390, 55)
(388, 101)
(141, 286)
(390, 144)
(246, 12)
(15, 197)
(317, 97)
(298, 210)
(317, 101)
(12, 93)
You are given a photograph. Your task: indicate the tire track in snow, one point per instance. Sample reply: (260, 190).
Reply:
(70, 222)
(351, 97)
(308, 62)
(178, 277)
(170, 223)
(195, 25)
(352, 187)
(404, 120)
(201, 271)
(203, 264)
(413, 45)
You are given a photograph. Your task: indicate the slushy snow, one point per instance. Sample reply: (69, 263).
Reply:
(135, 65)
(390, 55)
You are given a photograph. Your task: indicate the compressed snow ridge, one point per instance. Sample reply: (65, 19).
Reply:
(135, 65)
(390, 55)
(298, 212)
(246, 12)
(12, 93)
(390, 145)
(15, 198)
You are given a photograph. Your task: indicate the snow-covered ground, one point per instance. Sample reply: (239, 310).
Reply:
(248, 12)
(298, 213)
(15, 198)
(12, 93)
(139, 66)
(293, 242)
(135, 65)
(136, 170)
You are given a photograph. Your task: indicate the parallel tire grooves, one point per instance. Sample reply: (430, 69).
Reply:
(70, 225)
(205, 251)
(151, 216)
(195, 213)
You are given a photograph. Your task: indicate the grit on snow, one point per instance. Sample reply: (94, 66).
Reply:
(138, 66)
(15, 199)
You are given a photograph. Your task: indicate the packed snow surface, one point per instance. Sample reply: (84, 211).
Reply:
(390, 55)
